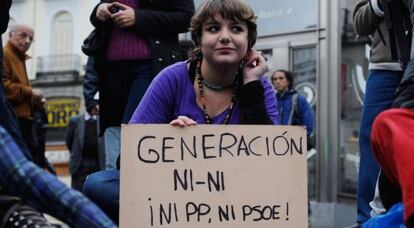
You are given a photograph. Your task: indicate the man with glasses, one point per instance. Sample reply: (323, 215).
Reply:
(17, 88)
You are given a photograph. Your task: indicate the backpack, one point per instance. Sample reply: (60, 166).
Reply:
(294, 111)
(295, 115)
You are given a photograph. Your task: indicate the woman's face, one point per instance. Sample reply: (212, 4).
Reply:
(224, 41)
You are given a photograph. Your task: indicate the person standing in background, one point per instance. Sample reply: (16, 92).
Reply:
(141, 39)
(17, 88)
(383, 78)
(293, 107)
(7, 117)
(86, 151)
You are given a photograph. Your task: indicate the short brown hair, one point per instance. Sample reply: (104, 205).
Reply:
(228, 9)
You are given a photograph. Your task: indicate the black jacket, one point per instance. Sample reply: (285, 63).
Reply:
(405, 92)
(160, 22)
(4, 15)
(90, 85)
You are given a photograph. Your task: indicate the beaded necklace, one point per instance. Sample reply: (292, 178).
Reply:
(200, 80)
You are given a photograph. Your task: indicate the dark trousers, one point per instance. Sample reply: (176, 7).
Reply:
(122, 90)
(7, 117)
(29, 137)
(88, 165)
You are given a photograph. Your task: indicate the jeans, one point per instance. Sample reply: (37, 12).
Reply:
(380, 91)
(112, 139)
(102, 188)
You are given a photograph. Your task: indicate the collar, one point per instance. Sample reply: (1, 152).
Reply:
(88, 116)
(285, 93)
(22, 56)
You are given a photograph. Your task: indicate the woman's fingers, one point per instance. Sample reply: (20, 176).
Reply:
(103, 12)
(120, 5)
(183, 121)
(255, 67)
(255, 58)
(124, 17)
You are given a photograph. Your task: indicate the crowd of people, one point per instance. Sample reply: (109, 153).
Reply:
(140, 76)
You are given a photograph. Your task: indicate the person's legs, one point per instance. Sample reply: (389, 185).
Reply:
(141, 80)
(103, 189)
(27, 131)
(112, 146)
(379, 94)
(392, 142)
(125, 85)
(117, 85)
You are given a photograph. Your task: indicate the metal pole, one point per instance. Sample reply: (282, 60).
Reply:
(328, 99)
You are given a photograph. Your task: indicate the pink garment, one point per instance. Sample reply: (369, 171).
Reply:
(126, 44)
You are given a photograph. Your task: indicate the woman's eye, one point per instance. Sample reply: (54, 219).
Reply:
(237, 28)
(212, 28)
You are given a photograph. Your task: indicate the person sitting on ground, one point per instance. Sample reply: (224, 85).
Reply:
(222, 84)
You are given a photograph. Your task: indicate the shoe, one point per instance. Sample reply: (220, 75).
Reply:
(25, 216)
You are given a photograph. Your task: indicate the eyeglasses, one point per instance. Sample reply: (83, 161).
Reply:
(24, 35)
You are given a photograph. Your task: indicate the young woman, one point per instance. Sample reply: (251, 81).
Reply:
(222, 84)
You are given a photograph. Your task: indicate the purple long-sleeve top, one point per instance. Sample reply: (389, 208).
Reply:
(171, 94)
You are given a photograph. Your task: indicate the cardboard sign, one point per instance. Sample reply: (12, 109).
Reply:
(213, 176)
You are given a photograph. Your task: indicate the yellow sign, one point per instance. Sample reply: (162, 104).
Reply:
(60, 109)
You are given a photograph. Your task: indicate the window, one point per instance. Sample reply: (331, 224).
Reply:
(62, 34)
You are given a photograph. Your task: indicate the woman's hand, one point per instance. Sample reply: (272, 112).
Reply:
(103, 13)
(183, 121)
(254, 66)
(125, 17)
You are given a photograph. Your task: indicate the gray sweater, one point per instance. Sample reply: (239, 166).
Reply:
(367, 18)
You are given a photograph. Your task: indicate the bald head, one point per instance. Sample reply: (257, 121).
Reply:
(21, 37)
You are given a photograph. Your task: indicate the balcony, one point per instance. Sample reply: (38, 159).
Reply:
(58, 68)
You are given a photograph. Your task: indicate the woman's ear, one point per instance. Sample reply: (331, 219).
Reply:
(247, 56)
